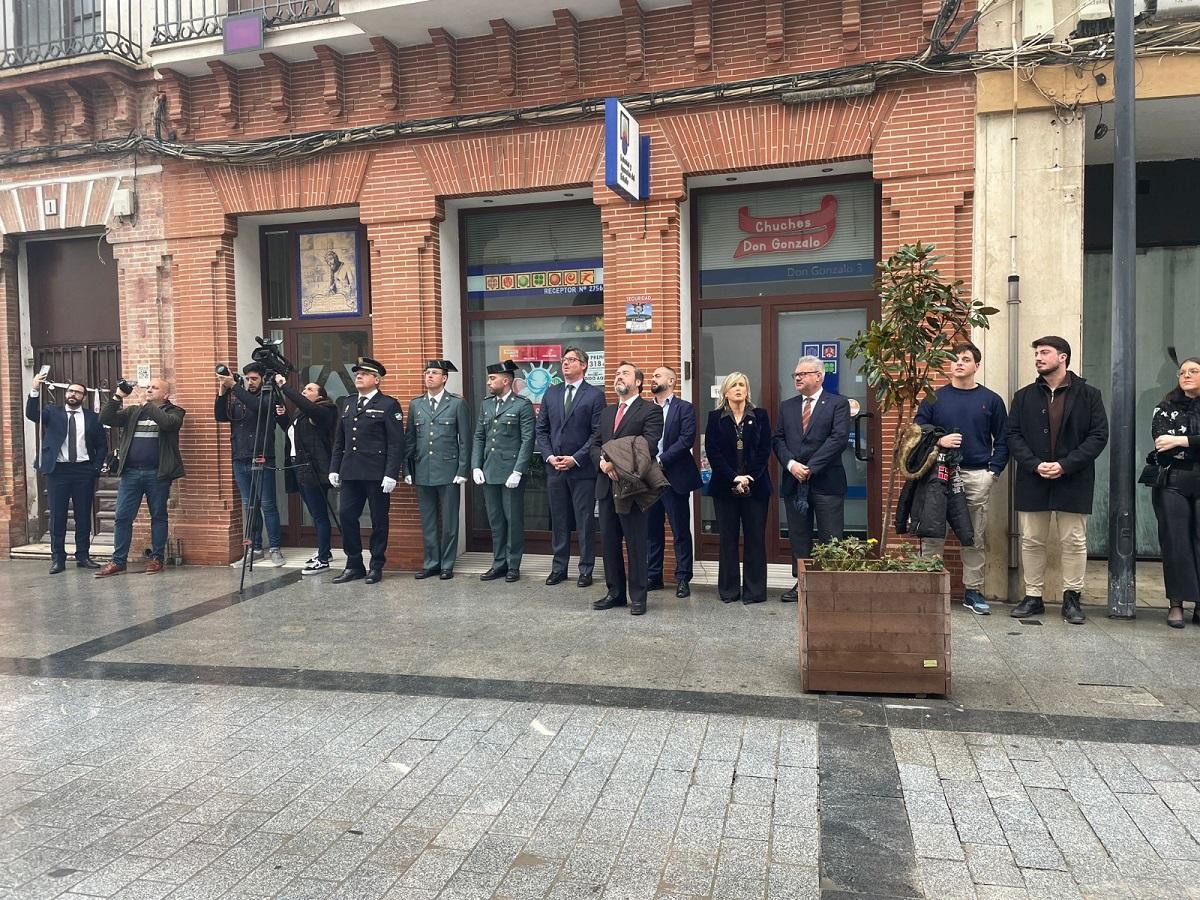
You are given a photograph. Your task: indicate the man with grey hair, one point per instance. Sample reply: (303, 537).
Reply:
(812, 431)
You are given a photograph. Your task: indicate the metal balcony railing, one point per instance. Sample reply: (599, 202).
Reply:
(183, 20)
(42, 31)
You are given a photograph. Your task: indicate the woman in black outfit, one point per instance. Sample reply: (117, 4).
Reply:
(1175, 428)
(737, 441)
(309, 449)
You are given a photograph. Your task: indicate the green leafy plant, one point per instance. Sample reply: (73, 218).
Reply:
(902, 352)
(856, 555)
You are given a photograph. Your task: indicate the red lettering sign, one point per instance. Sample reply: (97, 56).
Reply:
(800, 233)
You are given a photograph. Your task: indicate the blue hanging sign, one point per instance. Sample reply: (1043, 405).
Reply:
(626, 153)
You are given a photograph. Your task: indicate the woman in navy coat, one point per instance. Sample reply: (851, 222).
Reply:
(737, 441)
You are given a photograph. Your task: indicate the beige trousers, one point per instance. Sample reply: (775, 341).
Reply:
(978, 484)
(1072, 539)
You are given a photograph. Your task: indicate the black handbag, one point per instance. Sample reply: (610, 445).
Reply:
(1152, 473)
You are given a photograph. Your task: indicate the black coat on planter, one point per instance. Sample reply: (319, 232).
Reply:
(1082, 436)
(928, 503)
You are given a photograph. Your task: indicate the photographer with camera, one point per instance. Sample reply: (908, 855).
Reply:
(249, 410)
(309, 448)
(147, 461)
(70, 456)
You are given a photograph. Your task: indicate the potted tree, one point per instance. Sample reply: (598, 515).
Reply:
(874, 620)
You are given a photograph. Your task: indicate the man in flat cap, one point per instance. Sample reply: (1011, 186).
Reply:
(368, 451)
(436, 438)
(500, 458)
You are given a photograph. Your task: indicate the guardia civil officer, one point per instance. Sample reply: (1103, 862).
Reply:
(500, 457)
(436, 438)
(368, 451)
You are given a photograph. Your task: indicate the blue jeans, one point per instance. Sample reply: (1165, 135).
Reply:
(314, 499)
(135, 484)
(269, 511)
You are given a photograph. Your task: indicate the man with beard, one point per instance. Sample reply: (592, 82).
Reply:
(500, 457)
(630, 416)
(676, 449)
(1056, 429)
(71, 455)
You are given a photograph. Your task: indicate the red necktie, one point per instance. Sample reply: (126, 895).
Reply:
(620, 415)
(806, 414)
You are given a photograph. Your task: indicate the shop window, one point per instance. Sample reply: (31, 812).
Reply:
(278, 265)
(775, 241)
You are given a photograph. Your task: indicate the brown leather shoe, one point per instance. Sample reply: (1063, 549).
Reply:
(154, 566)
(110, 569)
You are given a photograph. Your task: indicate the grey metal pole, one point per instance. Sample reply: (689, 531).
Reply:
(1122, 518)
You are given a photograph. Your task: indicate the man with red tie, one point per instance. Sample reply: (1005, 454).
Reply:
(630, 416)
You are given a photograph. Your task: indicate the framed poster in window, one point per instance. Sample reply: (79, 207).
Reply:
(329, 273)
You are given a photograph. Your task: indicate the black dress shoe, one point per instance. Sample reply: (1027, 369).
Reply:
(608, 601)
(374, 577)
(349, 575)
(748, 600)
(1029, 606)
(683, 590)
(556, 578)
(57, 566)
(493, 573)
(637, 609)
(584, 581)
(446, 575)
(427, 573)
(87, 563)
(654, 585)
(734, 599)
(791, 595)
(513, 575)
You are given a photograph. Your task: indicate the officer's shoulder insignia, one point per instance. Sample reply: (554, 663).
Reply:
(397, 415)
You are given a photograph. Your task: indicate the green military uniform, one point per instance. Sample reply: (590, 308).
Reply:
(503, 446)
(437, 454)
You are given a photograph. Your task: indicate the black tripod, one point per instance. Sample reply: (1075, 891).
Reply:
(252, 519)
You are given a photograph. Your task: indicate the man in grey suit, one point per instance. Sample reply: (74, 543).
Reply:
(812, 431)
(438, 430)
(568, 418)
(500, 457)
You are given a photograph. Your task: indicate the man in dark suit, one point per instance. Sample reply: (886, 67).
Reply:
(676, 450)
(564, 429)
(628, 417)
(368, 450)
(71, 455)
(812, 432)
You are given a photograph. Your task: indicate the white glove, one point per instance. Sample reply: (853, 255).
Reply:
(335, 479)
(513, 480)
(477, 474)
(459, 479)
(388, 484)
(408, 479)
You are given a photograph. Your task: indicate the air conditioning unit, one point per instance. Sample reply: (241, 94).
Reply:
(1178, 9)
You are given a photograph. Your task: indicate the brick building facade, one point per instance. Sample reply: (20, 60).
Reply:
(183, 272)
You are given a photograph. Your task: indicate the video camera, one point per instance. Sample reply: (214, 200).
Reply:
(267, 355)
(125, 386)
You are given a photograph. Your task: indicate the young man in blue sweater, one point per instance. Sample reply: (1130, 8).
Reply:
(974, 419)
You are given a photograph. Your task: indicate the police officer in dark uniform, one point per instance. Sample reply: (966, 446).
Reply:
(500, 457)
(368, 451)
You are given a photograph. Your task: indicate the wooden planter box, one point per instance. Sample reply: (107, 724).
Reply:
(874, 632)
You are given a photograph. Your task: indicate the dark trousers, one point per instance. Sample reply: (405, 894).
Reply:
(441, 549)
(316, 499)
(136, 484)
(73, 483)
(826, 511)
(357, 493)
(1177, 505)
(506, 518)
(749, 516)
(632, 527)
(675, 507)
(572, 502)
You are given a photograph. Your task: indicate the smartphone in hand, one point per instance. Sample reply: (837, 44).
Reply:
(44, 371)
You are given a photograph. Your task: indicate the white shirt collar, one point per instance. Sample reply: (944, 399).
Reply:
(575, 384)
(665, 400)
(630, 400)
(504, 397)
(436, 397)
(368, 397)
(817, 396)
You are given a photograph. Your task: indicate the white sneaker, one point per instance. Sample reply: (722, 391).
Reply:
(314, 566)
(275, 558)
(237, 563)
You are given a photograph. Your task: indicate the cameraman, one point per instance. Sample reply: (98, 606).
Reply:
(147, 462)
(309, 448)
(251, 421)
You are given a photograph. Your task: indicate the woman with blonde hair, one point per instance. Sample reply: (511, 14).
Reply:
(737, 441)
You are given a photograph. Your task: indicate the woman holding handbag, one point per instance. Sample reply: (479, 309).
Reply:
(1175, 428)
(737, 441)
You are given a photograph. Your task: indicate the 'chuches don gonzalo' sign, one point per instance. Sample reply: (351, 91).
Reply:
(787, 234)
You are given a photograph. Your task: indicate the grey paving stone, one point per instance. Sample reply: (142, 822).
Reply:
(742, 859)
(946, 879)
(432, 869)
(993, 865)
(493, 853)
(529, 877)
(936, 841)
(590, 863)
(793, 883)
(749, 822)
(928, 807)
(1046, 885)
(698, 834)
(689, 873)
(730, 888)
